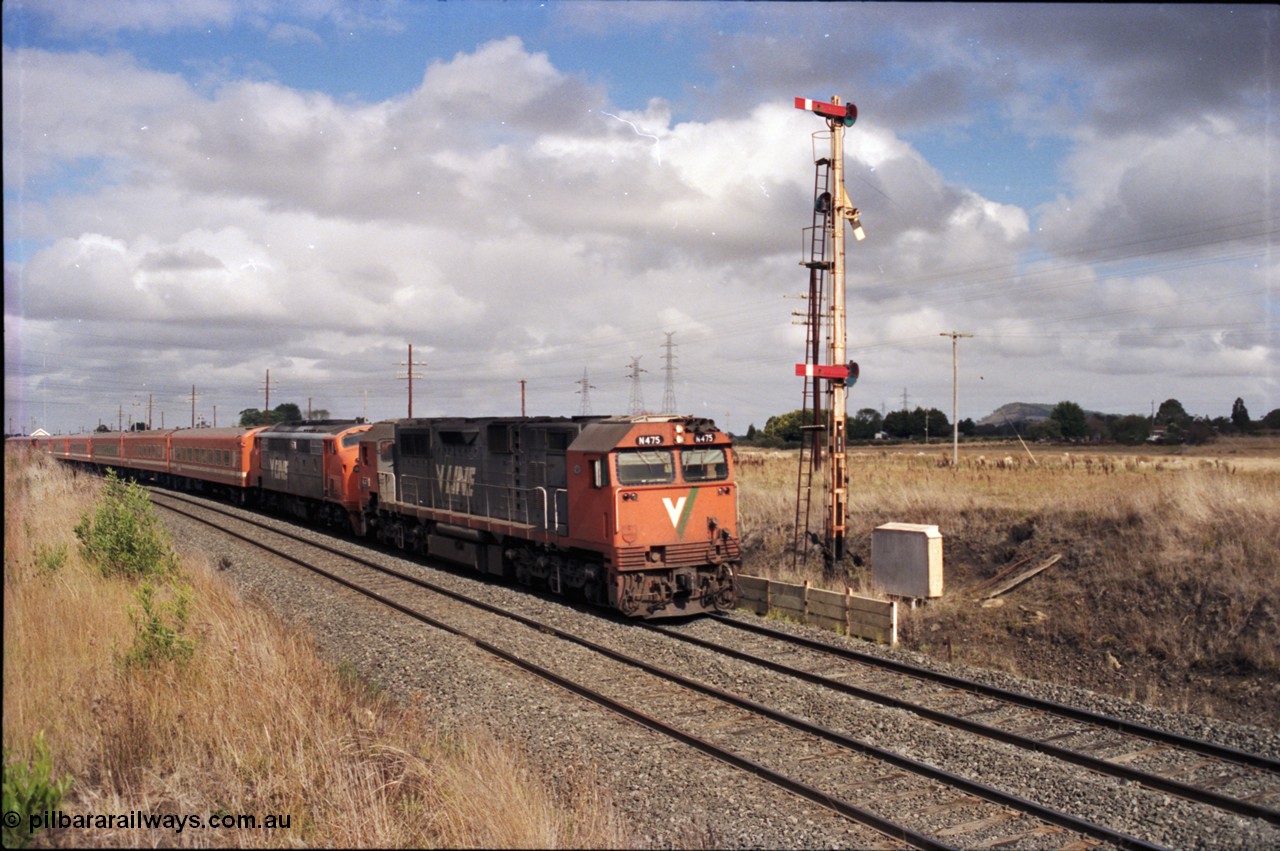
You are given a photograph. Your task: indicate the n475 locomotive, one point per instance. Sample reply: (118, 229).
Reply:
(635, 513)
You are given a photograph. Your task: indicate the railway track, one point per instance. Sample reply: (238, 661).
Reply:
(931, 806)
(1204, 772)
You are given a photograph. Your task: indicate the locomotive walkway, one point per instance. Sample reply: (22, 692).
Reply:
(816, 752)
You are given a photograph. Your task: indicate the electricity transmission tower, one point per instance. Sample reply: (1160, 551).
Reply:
(637, 393)
(669, 394)
(585, 393)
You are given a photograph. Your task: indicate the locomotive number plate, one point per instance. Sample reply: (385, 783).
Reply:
(704, 438)
(649, 440)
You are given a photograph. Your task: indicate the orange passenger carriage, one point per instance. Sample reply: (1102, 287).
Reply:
(79, 449)
(146, 454)
(218, 460)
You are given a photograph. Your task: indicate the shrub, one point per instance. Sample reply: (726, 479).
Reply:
(123, 535)
(29, 791)
(51, 557)
(160, 627)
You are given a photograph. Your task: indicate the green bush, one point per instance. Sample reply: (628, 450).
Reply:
(160, 627)
(123, 535)
(51, 558)
(29, 790)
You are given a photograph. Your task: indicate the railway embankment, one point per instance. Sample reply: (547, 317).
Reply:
(1168, 586)
(142, 705)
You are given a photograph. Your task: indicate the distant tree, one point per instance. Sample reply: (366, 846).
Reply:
(1131, 430)
(917, 423)
(102, 427)
(320, 414)
(785, 427)
(1171, 413)
(898, 423)
(285, 412)
(1071, 420)
(1049, 429)
(967, 427)
(1175, 418)
(933, 422)
(1240, 416)
(1199, 431)
(751, 432)
(1098, 428)
(1272, 419)
(864, 424)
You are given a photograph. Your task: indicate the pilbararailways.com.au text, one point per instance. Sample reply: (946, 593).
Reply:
(139, 820)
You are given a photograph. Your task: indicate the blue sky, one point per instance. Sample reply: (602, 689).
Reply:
(198, 192)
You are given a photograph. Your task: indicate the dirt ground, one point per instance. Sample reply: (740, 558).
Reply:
(1181, 612)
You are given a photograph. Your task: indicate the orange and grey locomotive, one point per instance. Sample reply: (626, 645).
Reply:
(635, 513)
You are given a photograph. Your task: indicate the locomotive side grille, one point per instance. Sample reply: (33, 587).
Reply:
(680, 555)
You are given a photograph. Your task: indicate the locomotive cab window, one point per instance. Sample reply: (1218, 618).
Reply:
(704, 465)
(646, 467)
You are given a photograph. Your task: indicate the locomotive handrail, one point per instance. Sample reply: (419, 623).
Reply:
(430, 492)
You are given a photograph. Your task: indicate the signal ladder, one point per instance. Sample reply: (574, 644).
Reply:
(812, 425)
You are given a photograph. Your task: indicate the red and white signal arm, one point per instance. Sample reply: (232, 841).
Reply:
(846, 372)
(846, 112)
(818, 370)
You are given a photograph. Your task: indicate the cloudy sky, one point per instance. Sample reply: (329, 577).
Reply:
(198, 192)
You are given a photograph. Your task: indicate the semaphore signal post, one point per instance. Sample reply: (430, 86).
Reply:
(824, 255)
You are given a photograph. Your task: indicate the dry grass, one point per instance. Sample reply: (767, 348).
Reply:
(256, 723)
(1169, 586)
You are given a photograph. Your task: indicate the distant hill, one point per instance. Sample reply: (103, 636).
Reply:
(1022, 412)
(1017, 412)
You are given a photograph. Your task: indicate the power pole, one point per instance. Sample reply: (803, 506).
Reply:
(266, 409)
(585, 393)
(637, 393)
(522, 383)
(838, 374)
(955, 395)
(410, 363)
(669, 394)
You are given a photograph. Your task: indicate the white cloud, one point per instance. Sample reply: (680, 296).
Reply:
(511, 223)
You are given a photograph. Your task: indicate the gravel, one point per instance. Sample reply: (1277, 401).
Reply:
(670, 795)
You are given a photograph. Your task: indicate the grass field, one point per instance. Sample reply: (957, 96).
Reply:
(1168, 589)
(251, 721)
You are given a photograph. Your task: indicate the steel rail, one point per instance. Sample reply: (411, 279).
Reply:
(839, 805)
(1123, 772)
(1075, 713)
(988, 793)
